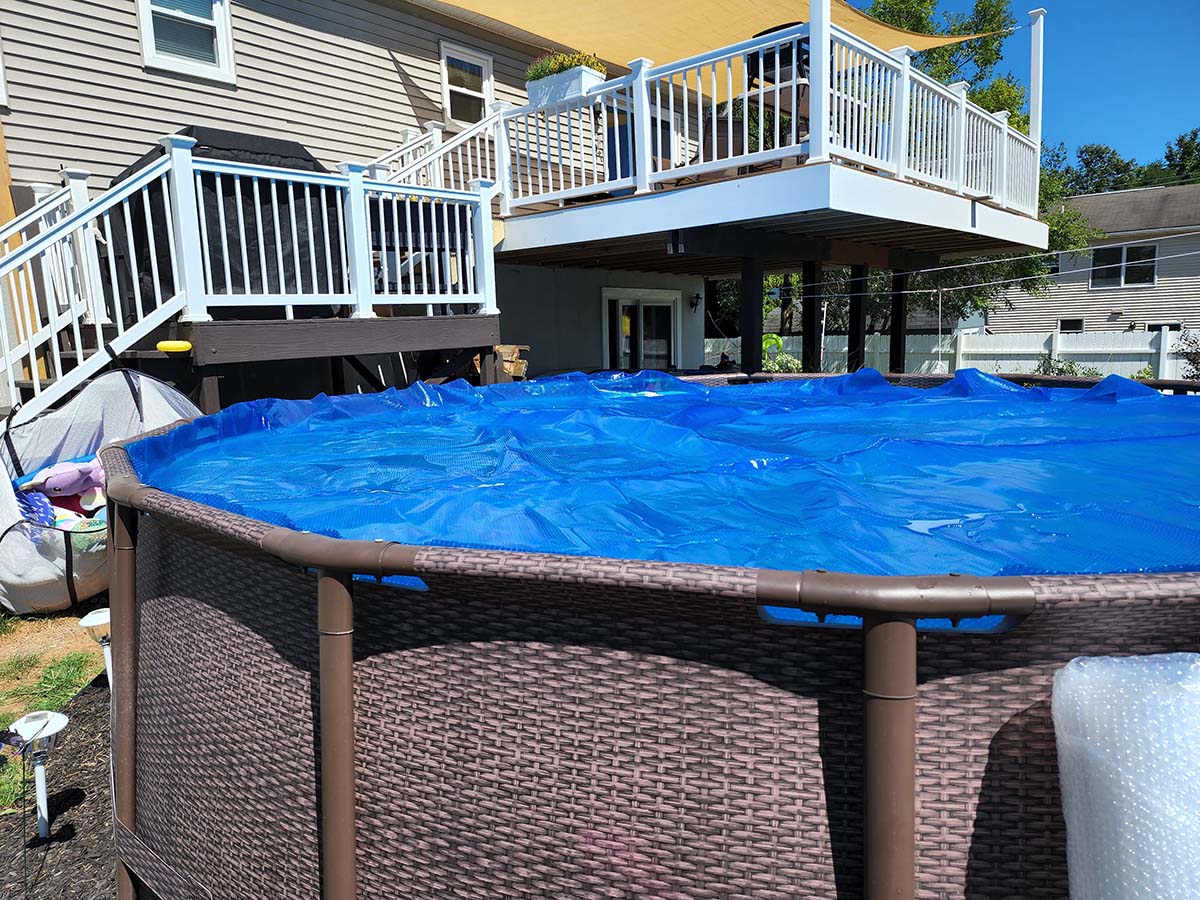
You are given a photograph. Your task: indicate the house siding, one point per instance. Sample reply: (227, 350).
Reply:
(342, 78)
(1175, 297)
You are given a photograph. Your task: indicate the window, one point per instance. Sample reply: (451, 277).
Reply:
(1164, 326)
(1124, 266)
(467, 89)
(1070, 326)
(191, 37)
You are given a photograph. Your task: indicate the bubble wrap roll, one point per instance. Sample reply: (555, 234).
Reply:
(1128, 734)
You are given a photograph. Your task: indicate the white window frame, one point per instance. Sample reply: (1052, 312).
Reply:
(1080, 319)
(643, 297)
(3, 80)
(475, 57)
(223, 71)
(1092, 286)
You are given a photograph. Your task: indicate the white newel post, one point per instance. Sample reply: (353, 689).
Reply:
(1037, 29)
(358, 242)
(959, 177)
(485, 255)
(1001, 181)
(86, 254)
(820, 42)
(1163, 359)
(185, 221)
(503, 157)
(437, 132)
(900, 114)
(641, 124)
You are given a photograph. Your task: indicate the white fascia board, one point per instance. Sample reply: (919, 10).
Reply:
(856, 191)
(743, 199)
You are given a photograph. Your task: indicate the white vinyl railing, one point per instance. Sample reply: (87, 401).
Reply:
(185, 235)
(729, 110)
(742, 105)
(573, 148)
(408, 154)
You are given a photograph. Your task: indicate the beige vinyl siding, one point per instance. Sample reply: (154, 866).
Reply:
(1175, 297)
(342, 78)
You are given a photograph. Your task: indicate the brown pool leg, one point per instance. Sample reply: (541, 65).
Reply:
(335, 622)
(889, 732)
(123, 540)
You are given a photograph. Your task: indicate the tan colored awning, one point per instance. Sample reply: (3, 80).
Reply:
(620, 31)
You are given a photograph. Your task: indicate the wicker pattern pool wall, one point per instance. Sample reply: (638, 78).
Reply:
(535, 726)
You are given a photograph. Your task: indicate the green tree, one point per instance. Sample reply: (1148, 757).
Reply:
(1101, 168)
(1182, 159)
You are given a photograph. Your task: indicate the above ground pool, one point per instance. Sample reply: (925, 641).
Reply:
(851, 473)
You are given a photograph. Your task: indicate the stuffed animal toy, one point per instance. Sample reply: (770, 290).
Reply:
(67, 479)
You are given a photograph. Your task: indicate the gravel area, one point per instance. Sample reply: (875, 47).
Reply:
(76, 861)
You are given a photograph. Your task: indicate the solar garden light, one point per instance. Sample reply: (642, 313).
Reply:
(96, 625)
(39, 731)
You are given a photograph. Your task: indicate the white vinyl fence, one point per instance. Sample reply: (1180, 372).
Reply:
(1111, 352)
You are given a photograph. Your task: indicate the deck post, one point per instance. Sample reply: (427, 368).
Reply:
(437, 175)
(856, 345)
(1002, 160)
(185, 221)
(820, 40)
(811, 294)
(642, 129)
(751, 314)
(1037, 33)
(889, 750)
(958, 163)
(898, 345)
(485, 248)
(335, 624)
(358, 242)
(76, 181)
(901, 111)
(503, 158)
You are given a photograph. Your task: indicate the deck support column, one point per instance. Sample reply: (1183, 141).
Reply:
(811, 295)
(752, 314)
(335, 623)
(899, 328)
(123, 523)
(889, 747)
(856, 353)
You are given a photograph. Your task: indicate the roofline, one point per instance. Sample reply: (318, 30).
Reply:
(1149, 187)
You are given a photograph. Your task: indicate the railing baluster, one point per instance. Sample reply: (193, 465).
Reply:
(241, 220)
(264, 281)
(114, 280)
(312, 244)
(153, 247)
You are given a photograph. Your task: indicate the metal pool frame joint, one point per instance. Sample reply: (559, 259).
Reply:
(889, 607)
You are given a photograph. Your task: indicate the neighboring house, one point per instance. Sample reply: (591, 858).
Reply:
(1142, 275)
(612, 208)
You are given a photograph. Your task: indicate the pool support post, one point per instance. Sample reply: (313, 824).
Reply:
(889, 750)
(335, 625)
(123, 540)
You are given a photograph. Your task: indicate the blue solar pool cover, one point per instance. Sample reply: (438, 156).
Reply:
(848, 473)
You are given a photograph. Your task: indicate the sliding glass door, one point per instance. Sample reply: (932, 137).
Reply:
(641, 334)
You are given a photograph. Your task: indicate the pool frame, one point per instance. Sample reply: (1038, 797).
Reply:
(1165, 607)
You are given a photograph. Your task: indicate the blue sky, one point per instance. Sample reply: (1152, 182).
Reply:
(1110, 67)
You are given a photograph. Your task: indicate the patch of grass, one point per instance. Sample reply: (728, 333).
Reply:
(18, 665)
(58, 683)
(7, 623)
(11, 782)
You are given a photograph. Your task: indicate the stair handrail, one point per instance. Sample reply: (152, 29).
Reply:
(411, 146)
(488, 122)
(78, 217)
(36, 212)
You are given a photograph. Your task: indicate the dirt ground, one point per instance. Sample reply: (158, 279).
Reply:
(76, 861)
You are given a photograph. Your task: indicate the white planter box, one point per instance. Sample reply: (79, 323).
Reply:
(563, 86)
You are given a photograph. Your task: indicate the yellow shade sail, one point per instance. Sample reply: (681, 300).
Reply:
(664, 31)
